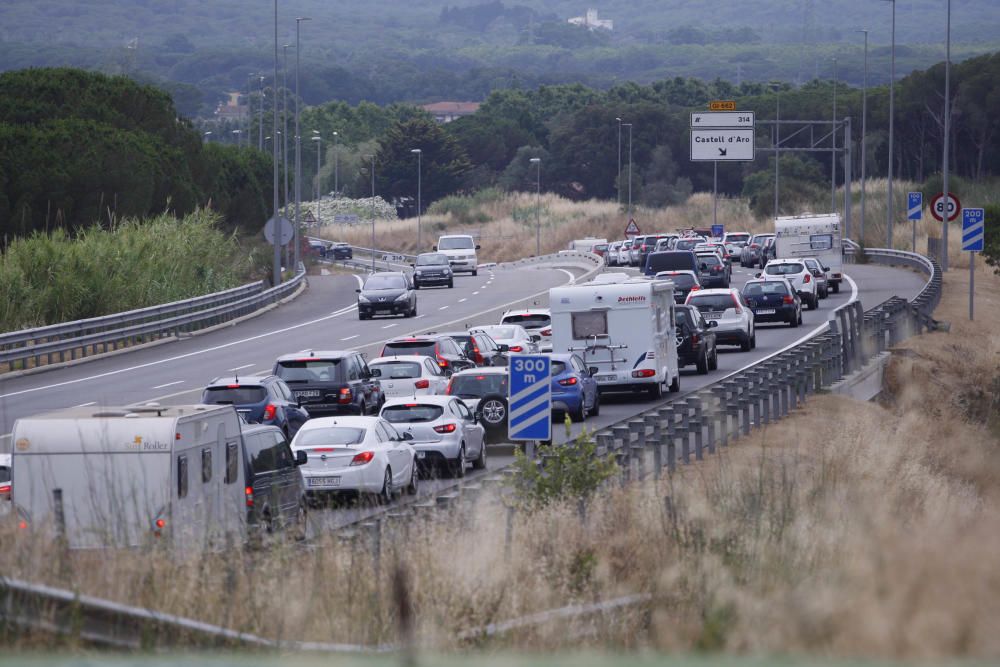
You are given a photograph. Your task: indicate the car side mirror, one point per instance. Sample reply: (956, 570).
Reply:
(826, 268)
(757, 275)
(301, 458)
(703, 267)
(478, 247)
(593, 370)
(712, 324)
(376, 372)
(434, 248)
(503, 348)
(407, 436)
(358, 291)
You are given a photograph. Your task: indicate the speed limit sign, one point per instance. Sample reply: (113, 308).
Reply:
(938, 206)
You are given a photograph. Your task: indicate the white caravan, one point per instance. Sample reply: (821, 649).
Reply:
(812, 235)
(625, 330)
(128, 477)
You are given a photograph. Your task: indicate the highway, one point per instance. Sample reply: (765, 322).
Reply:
(324, 317)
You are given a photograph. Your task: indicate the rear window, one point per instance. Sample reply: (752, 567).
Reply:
(687, 244)
(682, 280)
(670, 261)
(761, 289)
(529, 321)
(558, 368)
(310, 370)
(411, 413)
(711, 260)
(707, 303)
(4, 474)
(737, 238)
(501, 332)
(398, 370)
(417, 347)
(233, 395)
(477, 386)
(783, 269)
(330, 437)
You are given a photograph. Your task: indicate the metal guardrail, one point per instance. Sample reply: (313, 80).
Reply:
(82, 338)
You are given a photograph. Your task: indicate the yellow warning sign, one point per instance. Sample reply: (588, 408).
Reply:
(722, 105)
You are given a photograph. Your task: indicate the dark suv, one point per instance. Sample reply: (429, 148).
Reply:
(275, 497)
(331, 383)
(260, 400)
(480, 348)
(695, 340)
(440, 347)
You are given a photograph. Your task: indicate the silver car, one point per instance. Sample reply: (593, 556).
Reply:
(514, 336)
(445, 433)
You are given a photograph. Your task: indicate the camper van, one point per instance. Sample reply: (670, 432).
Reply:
(812, 235)
(624, 331)
(128, 477)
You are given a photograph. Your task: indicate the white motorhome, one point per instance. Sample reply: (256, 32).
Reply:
(812, 235)
(128, 477)
(586, 244)
(623, 329)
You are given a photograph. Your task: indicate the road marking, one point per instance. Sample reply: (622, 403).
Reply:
(350, 337)
(169, 384)
(239, 368)
(389, 326)
(462, 300)
(83, 405)
(572, 278)
(443, 308)
(361, 283)
(475, 293)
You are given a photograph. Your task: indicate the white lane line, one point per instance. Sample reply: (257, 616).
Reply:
(462, 300)
(475, 293)
(350, 337)
(167, 360)
(572, 278)
(418, 317)
(239, 368)
(83, 405)
(389, 326)
(361, 282)
(443, 308)
(169, 384)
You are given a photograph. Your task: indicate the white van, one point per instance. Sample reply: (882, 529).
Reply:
(461, 252)
(623, 330)
(586, 244)
(129, 477)
(812, 235)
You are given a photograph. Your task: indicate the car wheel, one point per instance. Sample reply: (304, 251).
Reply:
(458, 465)
(416, 285)
(655, 391)
(794, 321)
(713, 364)
(451, 283)
(362, 316)
(475, 272)
(580, 414)
(753, 339)
(361, 410)
(745, 345)
(412, 487)
(596, 410)
(493, 411)
(675, 385)
(479, 463)
(836, 288)
(702, 363)
(385, 496)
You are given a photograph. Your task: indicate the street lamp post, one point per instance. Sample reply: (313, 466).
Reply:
(944, 165)
(618, 182)
(419, 154)
(892, 122)
(208, 136)
(372, 157)
(833, 139)
(537, 161)
(336, 166)
(629, 126)
(284, 121)
(319, 191)
(298, 141)
(274, 159)
(776, 86)
(864, 135)
(249, 108)
(260, 116)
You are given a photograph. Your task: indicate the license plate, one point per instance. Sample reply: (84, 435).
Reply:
(421, 455)
(713, 316)
(765, 311)
(607, 378)
(324, 481)
(309, 393)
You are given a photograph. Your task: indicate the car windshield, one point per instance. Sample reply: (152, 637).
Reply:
(456, 243)
(233, 395)
(477, 386)
(682, 280)
(435, 259)
(397, 370)
(330, 436)
(411, 413)
(707, 303)
(762, 289)
(687, 244)
(783, 269)
(309, 370)
(529, 320)
(385, 282)
(420, 347)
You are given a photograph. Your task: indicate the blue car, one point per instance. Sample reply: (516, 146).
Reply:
(260, 400)
(574, 390)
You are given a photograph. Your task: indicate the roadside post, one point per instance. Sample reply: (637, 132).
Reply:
(973, 241)
(529, 404)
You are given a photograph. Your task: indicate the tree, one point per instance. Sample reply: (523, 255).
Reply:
(443, 163)
(802, 181)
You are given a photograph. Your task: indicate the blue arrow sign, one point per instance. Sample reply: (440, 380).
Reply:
(718, 231)
(915, 205)
(973, 229)
(530, 403)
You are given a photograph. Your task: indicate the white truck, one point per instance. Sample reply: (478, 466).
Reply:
(129, 477)
(623, 330)
(460, 249)
(812, 235)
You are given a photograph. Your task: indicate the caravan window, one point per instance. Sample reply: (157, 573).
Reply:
(182, 476)
(821, 242)
(206, 466)
(589, 324)
(232, 463)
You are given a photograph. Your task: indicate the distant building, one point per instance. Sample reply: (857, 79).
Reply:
(231, 109)
(591, 22)
(445, 112)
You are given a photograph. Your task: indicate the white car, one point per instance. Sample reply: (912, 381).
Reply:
(484, 391)
(461, 251)
(365, 455)
(514, 336)
(820, 274)
(798, 274)
(736, 237)
(445, 433)
(5, 485)
(732, 313)
(409, 375)
(611, 256)
(536, 321)
(623, 253)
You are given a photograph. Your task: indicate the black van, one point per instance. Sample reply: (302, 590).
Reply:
(670, 260)
(275, 497)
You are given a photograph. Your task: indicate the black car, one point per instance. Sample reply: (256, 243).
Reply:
(670, 260)
(773, 301)
(388, 293)
(432, 268)
(440, 347)
(768, 251)
(260, 400)
(480, 348)
(695, 340)
(275, 497)
(340, 251)
(684, 282)
(648, 245)
(331, 383)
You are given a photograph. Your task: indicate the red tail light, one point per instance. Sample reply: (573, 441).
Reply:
(694, 288)
(644, 373)
(516, 348)
(22, 524)
(787, 299)
(754, 245)
(345, 395)
(442, 362)
(5, 491)
(694, 340)
(568, 382)
(362, 458)
(270, 410)
(547, 331)
(476, 354)
(248, 492)
(716, 269)
(447, 390)
(736, 305)
(446, 428)
(232, 386)
(805, 279)
(158, 527)
(422, 384)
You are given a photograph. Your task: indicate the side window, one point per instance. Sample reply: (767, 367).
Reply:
(182, 476)
(206, 465)
(232, 462)
(353, 372)
(363, 369)
(431, 368)
(463, 410)
(261, 453)
(283, 391)
(282, 452)
(391, 432)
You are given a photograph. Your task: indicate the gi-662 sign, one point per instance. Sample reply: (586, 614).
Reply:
(530, 402)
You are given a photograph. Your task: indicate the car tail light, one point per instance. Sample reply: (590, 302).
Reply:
(446, 428)
(694, 288)
(516, 348)
(716, 269)
(22, 524)
(787, 299)
(736, 305)
(232, 386)
(447, 390)
(248, 493)
(5, 491)
(270, 410)
(568, 382)
(362, 458)
(422, 384)
(805, 279)
(345, 395)
(477, 354)
(754, 245)
(694, 340)
(644, 373)
(547, 331)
